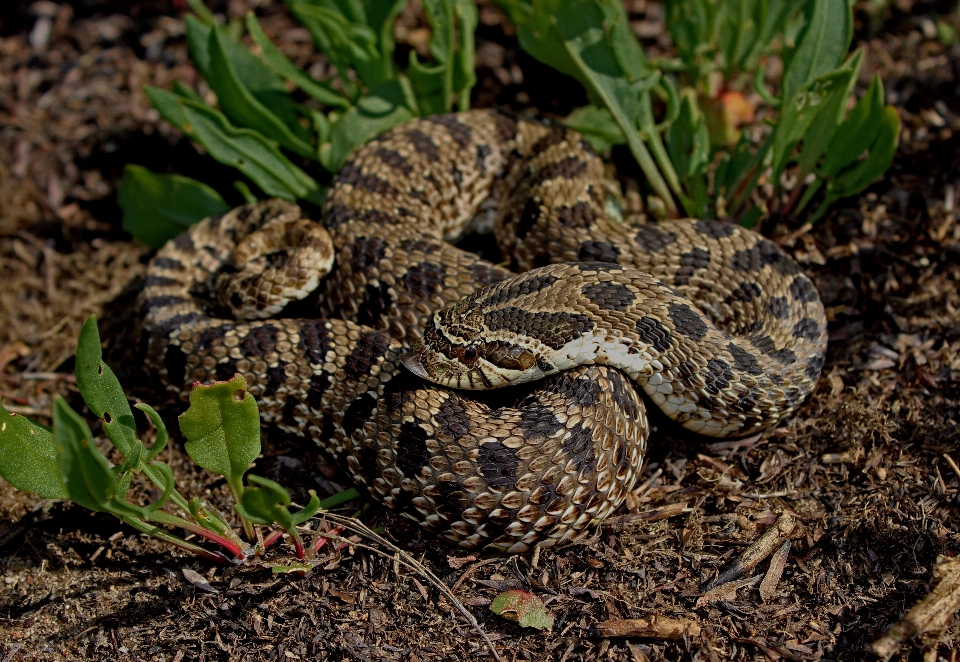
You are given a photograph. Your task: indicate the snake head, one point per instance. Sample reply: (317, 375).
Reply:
(453, 352)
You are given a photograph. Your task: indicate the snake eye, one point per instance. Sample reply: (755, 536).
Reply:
(469, 353)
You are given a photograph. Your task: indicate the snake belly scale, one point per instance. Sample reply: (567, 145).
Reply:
(721, 328)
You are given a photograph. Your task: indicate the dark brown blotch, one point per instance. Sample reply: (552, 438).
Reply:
(609, 296)
(690, 263)
(581, 215)
(745, 361)
(598, 251)
(395, 160)
(687, 321)
(652, 239)
(497, 463)
(715, 229)
(518, 288)
(803, 290)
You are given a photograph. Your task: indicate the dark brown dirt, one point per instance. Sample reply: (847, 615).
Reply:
(868, 466)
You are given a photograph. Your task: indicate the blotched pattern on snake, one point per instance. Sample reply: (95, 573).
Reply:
(716, 324)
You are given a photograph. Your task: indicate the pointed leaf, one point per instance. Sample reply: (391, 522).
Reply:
(102, 391)
(821, 44)
(857, 132)
(222, 427)
(267, 109)
(28, 456)
(87, 476)
(288, 70)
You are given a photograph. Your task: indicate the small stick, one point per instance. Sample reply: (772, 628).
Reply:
(932, 613)
(654, 627)
(761, 548)
(953, 465)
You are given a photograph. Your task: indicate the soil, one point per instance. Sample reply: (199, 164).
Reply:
(868, 466)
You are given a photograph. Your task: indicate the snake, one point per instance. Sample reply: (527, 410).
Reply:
(504, 406)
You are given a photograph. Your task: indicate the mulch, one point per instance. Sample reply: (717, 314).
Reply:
(867, 467)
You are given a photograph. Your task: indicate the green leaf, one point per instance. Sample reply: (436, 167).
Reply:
(102, 391)
(283, 67)
(222, 427)
(244, 149)
(252, 96)
(591, 40)
(857, 132)
(348, 42)
(526, 609)
(879, 158)
(87, 477)
(28, 456)
(157, 208)
(464, 61)
(821, 45)
(597, 126)
(162, 437)
(688, 140)
(380, 109)
(799, 112)
(247, 151)
(266, 502)
(819, 135)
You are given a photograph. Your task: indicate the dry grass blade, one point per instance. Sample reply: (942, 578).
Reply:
(407, 561)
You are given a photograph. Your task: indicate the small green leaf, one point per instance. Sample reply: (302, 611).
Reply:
(162, 437)
(222, 427)
(688, 141)
(597, 126)
(524, 608)
(265, 502)
(379, 109)
(102, 391)
(28, 456)
(157, 208)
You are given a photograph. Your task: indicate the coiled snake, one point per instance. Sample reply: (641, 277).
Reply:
(715, 323)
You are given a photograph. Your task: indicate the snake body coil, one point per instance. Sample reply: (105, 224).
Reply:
(717, 324)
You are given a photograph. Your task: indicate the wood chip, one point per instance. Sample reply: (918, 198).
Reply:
(931, 614)
(758, 551)
(654, 627)
(768, 587)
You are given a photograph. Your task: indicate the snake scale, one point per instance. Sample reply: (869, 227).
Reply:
(716, 324)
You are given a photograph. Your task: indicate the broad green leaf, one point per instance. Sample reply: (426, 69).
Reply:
(857, 132)
(268, 110)
(102, 391)
(157, 208)
(688, 140)
(819, 135)
(526, 609)
(28, 456)
(87, 477)
(597, 126)
(222, 427)
(821, 45)
(378, 110)
(286, 69)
